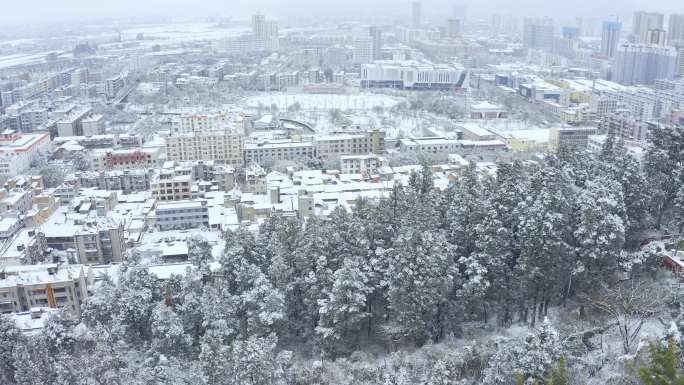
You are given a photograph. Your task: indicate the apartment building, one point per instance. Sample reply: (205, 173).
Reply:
(100, 242)
(171, 185)
(206, 122)
(51, 286)
(126, 181)
(8, 227)
(278, 150)
(93, 240)
(26, 247)
(16, 201)
(18, 150)
(124, 159)
(644, 63)
(359, 164)
(72, 123)
(187, 214)
(93, 125)
(26, 116)
(538, 33)
(220, 146)
(333, 146)
(255, 179)
(603, 105)
(624, 125)
(222, 175)
(642, 102)
(114, 85)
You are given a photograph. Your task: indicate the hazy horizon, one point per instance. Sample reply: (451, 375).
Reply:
(42, 11)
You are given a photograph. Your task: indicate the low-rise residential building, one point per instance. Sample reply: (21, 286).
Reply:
(93, 239)
(16, 201)
(361, 164)
(255, 179)
(169, 185)
(33, 321)
(117, 159)
(44, 205)
(439, 145)
(100, 242)
(186, 214)
(107, 141)
(126, 181)
(27, 247)
(8, 227)
(52, 286)
(334, 146)
(219, 175)
(278, 150)
(18, 150)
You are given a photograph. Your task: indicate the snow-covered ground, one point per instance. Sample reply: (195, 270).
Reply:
(359, 110)
(354, 102)
(21, 59)
(181, 32)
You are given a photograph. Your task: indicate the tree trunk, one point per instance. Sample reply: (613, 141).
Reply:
(370, 319)
(546, 308)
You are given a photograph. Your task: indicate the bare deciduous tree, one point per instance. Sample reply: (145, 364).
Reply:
(628, 305)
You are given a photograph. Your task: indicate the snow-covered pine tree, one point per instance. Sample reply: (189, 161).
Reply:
(344, 310)
(599, 233)
(664, 167)
(420, 278)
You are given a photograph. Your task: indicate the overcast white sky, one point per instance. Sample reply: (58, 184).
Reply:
(33, 11)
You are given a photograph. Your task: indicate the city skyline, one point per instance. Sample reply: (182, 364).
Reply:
(83, 10)
(424, 192)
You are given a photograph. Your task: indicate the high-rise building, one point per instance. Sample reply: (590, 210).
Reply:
(376, 42)
(416, 16)
(610, 38)
(272, 39)
(363, 50)
(503, 23)
(453, 29)
(538, 33)
(656, 36)
(264, 33)
(643, 64)
(570, 32)
(259, 26)
(589, 25)
(675, 29)
(680, 62)
(460, 12)
(642, 22)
